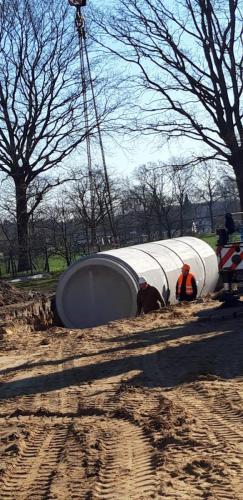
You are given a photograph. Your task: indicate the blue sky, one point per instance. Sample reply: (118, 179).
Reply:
(124, 155)
(137, 152)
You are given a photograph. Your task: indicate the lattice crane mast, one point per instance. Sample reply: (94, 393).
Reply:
(85, 64)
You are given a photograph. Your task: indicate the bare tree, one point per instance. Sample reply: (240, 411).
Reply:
(140, 201)
(59, 220)
(188, 59)
(8, 244)
(229, 193)
(90, 202)
(208, 188)
(8, 226)
(181, 179)
(152, 189)
(40, 106)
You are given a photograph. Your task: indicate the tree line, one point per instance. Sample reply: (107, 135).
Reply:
(158, 201)
(177, 74)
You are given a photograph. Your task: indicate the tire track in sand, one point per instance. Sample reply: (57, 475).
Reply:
(126, 466)
(217, 437)
(32, 473)
(60, 401)
(217, 433)
(226, 402)
(28, 403)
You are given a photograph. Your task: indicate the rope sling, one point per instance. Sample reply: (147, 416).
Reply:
(85, 65)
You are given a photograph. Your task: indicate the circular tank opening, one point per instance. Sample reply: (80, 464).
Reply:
(95, 291)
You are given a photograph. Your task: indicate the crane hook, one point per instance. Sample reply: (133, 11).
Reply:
(77, 3)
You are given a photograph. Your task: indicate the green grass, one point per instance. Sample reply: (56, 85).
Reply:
(211, 239)
(57, 263)
(47, 284)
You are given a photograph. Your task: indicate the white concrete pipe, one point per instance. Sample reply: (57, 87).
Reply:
(103, 287)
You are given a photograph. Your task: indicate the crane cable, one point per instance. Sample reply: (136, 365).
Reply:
(80, 25)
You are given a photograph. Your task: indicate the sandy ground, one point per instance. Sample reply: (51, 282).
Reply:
(137, 409)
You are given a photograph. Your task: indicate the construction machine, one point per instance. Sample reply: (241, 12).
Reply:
(88, 88)
(230, 256)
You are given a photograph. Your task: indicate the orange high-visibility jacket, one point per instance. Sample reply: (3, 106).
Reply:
(189, 289)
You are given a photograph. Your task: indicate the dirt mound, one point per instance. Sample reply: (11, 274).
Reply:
(11, 295)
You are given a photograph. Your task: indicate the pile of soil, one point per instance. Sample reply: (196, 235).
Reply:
(169, 316)
(12, 295)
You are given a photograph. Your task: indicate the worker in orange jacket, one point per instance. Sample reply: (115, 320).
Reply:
(186, 287)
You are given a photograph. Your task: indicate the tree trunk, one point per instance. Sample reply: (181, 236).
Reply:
(239, 181)
(160, 225)
(87, 239)
(22, 224)
(46, 266)
(93, 238)
(181, 219)
(210, 206)
(147, 230)
(236, 164)
(11, 265)
(67, 253)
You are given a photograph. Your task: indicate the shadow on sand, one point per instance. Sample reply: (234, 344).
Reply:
(219, 354)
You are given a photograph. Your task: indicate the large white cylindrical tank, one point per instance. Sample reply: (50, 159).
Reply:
(103, 287)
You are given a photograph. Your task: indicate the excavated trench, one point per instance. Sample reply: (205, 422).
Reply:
(31, 315)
